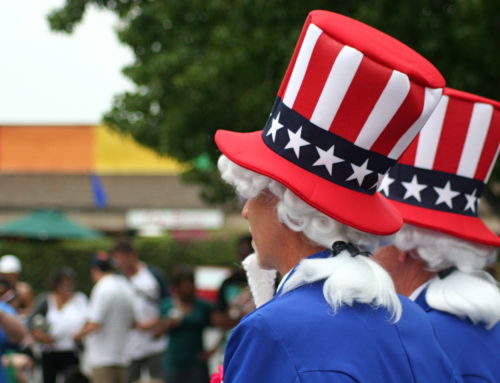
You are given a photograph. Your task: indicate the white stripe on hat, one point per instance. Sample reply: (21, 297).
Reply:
(387, 105)
(343, 70)
(492, 164)
(431, 97)
(429, 136)
(300, 67)
(474, 142)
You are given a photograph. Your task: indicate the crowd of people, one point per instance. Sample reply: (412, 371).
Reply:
(134, 326)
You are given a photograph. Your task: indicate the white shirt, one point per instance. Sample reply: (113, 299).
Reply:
(414, 295)
(146, 306)
(66, 321)
(110, 306)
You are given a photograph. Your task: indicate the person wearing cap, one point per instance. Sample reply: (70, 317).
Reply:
(351, 102)
(439, 256)
(10, 269)
(111, 317)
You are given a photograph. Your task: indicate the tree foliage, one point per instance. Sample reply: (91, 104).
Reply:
(206, 65)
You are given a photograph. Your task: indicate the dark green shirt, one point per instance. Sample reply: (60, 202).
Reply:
(186, 340)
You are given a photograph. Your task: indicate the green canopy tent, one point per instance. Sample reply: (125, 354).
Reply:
(47, 224)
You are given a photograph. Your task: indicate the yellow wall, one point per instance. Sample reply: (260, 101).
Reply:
(115, 153)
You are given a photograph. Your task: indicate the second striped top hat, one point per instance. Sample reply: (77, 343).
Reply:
(351, 101)
(439, 180)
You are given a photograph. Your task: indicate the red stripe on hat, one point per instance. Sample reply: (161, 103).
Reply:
(366, 88)
(289, 70)
(379, 46)
(404, 118)
(453, 134)
(490, 148)
(323, 56)
(410, 154)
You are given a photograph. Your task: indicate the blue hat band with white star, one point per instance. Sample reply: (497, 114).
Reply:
(432, 189)
(322, 152)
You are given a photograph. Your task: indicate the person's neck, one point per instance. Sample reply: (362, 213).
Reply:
(296, 254)
(412, 278)
(186, 301)
(62, 299)
(102, 275)
(134, 269)
(408, 272)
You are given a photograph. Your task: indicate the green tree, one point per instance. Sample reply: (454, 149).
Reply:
(203, 65)
(199, 66)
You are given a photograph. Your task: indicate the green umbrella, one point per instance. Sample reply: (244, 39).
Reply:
(47, 224)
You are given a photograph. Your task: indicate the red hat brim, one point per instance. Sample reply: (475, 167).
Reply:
(371, 213)
(462, 226)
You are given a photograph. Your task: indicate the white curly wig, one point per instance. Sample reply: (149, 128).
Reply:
(348, 279)
(468, 292)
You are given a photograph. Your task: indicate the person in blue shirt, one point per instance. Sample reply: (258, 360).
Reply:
(336, 316)
(12, 331)
(350, 103)
(438, 257)
(462, 306)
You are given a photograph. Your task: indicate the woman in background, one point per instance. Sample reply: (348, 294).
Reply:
(55, 319)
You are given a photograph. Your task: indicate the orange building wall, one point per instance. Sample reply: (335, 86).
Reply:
(46, 148)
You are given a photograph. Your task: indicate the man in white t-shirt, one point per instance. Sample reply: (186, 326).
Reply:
(150, 287)
(110, 320)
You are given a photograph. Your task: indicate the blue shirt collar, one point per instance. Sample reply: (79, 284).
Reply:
(322, 254)
(422, 302)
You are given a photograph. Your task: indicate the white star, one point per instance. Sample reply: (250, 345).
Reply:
(445, 195)
(327, 158)
(380, 177)
(471, 201)
(386, 182)
(359, 172)
(413, 189)
(296, 141)
(275, 126)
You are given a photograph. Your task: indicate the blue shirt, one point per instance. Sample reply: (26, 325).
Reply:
(473, 350)
(4, 307)
(296, 338)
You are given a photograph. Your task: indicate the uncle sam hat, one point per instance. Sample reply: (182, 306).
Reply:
(439, 180)
(351, 101)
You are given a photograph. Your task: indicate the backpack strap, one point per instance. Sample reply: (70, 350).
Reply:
(160, 278)
(40, 307)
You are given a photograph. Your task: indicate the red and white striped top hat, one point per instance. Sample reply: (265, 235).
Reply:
(351, 101)
(440, 178)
